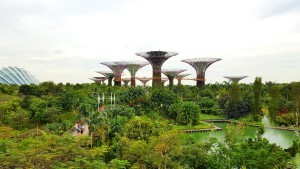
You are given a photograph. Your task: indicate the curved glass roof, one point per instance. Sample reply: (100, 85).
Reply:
(15, 75)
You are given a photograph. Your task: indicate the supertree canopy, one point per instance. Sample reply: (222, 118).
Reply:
(180, 77)
(117, 69)
(171, 73)
(163, 81)
(108, 75)
(99, 79)
(133, 67)
(200, 65)
(144, 80)
(156, 59)
(235, 78)
(126, 81)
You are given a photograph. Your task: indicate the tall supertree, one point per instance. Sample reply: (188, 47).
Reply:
(144, 80)
(108, 75)
(235, 78)
(133, 67)
(126, 81)
(156, 59)
(163, 81)
(171, 73)
(200, 65)
(117, 69)
(180, 77)
(99, 79)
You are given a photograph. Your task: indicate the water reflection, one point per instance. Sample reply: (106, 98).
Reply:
(282, 138)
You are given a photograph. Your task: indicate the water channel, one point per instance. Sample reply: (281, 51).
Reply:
(282, 138)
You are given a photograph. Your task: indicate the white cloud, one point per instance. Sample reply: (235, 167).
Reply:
(66, 40)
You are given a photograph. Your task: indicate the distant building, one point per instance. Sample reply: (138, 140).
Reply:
(15, 75)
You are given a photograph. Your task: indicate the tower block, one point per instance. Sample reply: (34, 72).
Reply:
(200, 65)
(108, 75)
(156, 59)
(171, 73)
(133, 67)
(144, 80)
(235, 78)
(180, 77)
(117, 69)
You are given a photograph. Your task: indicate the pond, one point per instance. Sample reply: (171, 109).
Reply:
(282, 138)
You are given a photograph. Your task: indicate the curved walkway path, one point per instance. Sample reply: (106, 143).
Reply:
(85, 132)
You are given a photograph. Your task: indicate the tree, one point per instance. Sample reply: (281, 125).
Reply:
(257, 92)
(207, 105)
(194, 155)
(189, 114)
(274, 104)
(235, 107)
(37, 149)
(118, 164)
(296, 99)
(166, 148)
(162, 98)
(234, 98)
(141, 128)
(37, 108)
(133, 97)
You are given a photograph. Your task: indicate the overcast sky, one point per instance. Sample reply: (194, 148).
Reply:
(65, 40)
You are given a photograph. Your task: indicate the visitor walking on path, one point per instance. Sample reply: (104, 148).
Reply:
(80, 129)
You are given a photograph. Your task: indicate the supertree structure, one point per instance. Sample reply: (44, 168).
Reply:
(200, 65)
(235, 78)
(99, 79)
(117, 69)
(144, 80)
(133, 67)
(126, 81)
(163, 81)
(171, 73)
(156, 59)
(180, 77)
(109, 75)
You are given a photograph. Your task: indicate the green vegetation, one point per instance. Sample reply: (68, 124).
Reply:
(209, 116)
(142, 130)
(200, 125)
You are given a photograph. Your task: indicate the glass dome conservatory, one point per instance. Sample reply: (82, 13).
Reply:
(15, 75)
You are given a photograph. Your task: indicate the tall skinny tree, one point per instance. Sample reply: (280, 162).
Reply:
(234, 99)
(296, 98)
(274, 106)
(257, 92)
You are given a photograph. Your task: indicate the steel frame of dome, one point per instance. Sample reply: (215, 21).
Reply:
(15, 75)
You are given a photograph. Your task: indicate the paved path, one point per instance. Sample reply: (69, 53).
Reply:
(85, 133)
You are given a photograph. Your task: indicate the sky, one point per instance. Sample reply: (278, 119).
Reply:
(66, 40)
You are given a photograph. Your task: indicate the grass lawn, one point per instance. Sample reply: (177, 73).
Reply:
(208, 116)
(201, 125)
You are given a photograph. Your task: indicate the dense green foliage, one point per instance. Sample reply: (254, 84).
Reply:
(36, 122)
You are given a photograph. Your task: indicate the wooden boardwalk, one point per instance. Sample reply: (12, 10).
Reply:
(253, 125)
(216, 128)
